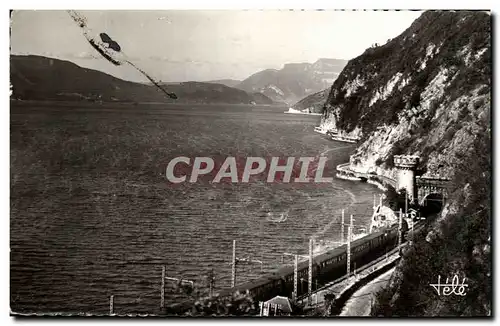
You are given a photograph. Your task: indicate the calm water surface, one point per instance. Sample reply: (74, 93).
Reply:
(92, 214)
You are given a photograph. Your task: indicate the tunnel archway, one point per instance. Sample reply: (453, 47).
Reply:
(432, 204)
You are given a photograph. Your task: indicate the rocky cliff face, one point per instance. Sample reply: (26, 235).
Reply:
(425, 92)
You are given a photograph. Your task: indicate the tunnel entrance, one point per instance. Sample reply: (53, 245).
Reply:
(432, 204)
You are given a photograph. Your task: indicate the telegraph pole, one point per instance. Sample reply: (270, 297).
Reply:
(295, 271)
(374, 202)
(233, 268)
(236, 260)
(163, 278)
(111, 305)
(162, 290)
(400, 229)
(295, 276)
(310, 270)
(406, 215)
(351, 224)
(211, 281)
(342, 228)
(352, 229)
(412, 234)
(406, 204)
(348, 252)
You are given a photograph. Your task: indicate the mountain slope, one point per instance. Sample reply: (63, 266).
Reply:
(198, 92)
(41, 78)
(295, 80)
(314, 101)
(422, 93)
(427, 92)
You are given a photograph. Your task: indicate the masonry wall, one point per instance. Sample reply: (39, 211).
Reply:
(406, 180)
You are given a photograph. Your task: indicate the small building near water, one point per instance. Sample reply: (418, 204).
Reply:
(277, 306)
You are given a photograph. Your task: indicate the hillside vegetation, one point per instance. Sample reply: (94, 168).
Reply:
(423, 93)
(315, 102)
(427, 92)
(459, 244)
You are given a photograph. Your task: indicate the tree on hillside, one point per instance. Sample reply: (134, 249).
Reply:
(206, 304)
(239, 304)
(395, 199)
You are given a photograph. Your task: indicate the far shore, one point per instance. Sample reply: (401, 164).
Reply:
(97, 103)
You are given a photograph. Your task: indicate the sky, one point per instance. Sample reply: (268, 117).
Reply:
(205, 45)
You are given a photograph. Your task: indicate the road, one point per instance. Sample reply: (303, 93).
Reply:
(336, 287)
(360, 302)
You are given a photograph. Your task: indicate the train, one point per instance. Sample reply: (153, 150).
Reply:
(326, 267)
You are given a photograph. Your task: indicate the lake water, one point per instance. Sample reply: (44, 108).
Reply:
(92, 214)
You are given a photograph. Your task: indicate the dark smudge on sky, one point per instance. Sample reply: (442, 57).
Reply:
(110, 51)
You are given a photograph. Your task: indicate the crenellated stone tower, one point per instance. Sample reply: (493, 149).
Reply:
(406, 165)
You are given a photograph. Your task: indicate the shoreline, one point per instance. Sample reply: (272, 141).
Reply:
(337, 137)
(293, 111)
(345, 173)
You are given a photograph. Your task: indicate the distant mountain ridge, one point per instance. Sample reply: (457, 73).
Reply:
(295, 80)
(41, 78)
(227, 82)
